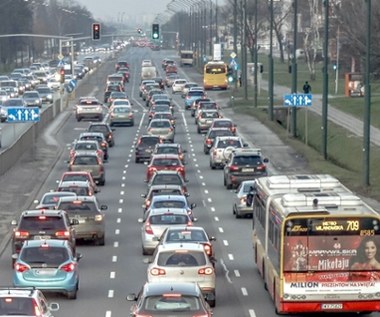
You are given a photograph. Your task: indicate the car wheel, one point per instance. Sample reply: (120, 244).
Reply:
(73, 294)
(137, 160)
(212, 302)
(132, 124)
(100, 241)
(102, 182)
(212, 166)
(224, 181)
(199, 131)
(145, 251)
(79, 119)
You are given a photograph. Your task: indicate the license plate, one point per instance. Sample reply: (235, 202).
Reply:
(41, 237)
(247, 169)
(45, 272)
(332, 306)
(81, 220)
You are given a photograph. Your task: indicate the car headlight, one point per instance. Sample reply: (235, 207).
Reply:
(49, 96)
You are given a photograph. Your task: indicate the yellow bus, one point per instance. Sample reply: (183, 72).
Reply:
(315, 248)
(215, 75)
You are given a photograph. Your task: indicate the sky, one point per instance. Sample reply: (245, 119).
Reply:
(117, 10)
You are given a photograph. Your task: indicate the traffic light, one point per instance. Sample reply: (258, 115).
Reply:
(155, 31)
(62, 75)
(230, 75)
(96, 31)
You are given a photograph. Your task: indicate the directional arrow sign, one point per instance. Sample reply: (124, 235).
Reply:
(23, 114)
(298, 100)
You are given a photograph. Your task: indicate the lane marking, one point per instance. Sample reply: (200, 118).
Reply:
(237, 273)
(116, 244)
(108, 313)
(252, 313)
(110, 293)
(244, 291)
(114, 258)
(225, 242)
(220, 229)
(212, 209)
(118, 220)
(112, 275)
(117, 231)
(231, 256)
(216, 219)
(120, 210)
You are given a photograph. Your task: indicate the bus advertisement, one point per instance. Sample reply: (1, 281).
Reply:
(215, 75)
(316, 251)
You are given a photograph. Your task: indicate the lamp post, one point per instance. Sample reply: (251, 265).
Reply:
(270, 62)
(325, 79)
(294, 66)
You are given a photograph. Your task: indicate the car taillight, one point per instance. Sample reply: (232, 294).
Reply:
(130, 116)
(152, 169)
(157, 271)
(261, 167)
(234, 168)
(148, 228)
(202, 315)
(208, 249)
(243, 200)
(62, 234)
(37, 311)
(69, 267)
(19, 267)
(147, 204)
(22, 234)
(189, 223)
(208, 141)
(205, 271)
(98, 217)
(103, 144)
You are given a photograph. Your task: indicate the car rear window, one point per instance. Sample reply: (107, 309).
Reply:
(149, 141)
(50, 256)
(85, 160)
(168, 219)
(85, 146)
(73, 207)
(190, 258)
(19, 306)
(209, 115)
(186, 235)
(160, 124)
(222, 124)
(222, 144)
(89, 103)
(162, 108)
(166, 192)
(80, 191)
(167, 303)
(247, 160)
(98, 128)
(52, 199)
(41, 222)
(167, 150)
(167, 180)
(165, 162)
(215, 133)
(169, 204)
(195, 93)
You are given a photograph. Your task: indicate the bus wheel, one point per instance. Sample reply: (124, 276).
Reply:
(265, 283)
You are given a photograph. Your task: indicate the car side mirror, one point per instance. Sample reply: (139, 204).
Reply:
(195, 219)
(140, 220)
(245, 145)
(79, 256)
(131, 297)
(193, 205)
(74, 222)
(212, 238)
(143, 195)
(103, 207)
(266, 160)
(14, 222)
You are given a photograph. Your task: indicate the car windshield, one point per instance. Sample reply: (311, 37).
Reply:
(167, 150)
(167, 303)
(44, 90)
(162, 108)
(51, 256)
(17, 306)
(173, 258)
(169, 204)
(166, 192)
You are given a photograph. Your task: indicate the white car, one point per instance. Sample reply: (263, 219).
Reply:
(53, 83)
(184, 262)
(178, 85)
(222, 149)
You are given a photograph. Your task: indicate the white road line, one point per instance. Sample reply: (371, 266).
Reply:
(122, 185)
(216, 219)
(108, 313)
(225, 242)
(112, 274)
(116, 244)
(114, 258)
(244, 291)
(206, 191)
(252, 313)
(124, 172)
(121, 201)
(126, 165)
(237, 273)
(220, 229)
(209, 200)
(118, 220)
(212, 209)
(110, 293)
(123, 178)
(203, 184)
(122, 193)
(231, 256)
(117, 231)
(120, 210)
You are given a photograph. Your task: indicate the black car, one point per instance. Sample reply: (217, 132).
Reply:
(244, 164)
(145, 146)
(105, 129)
(42, 224)
(121, 64)
(165, 298)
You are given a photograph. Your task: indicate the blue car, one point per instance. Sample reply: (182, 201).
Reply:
(193, 95)
(48, 265)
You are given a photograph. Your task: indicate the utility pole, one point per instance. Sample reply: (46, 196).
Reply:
(294, 66)
(325, 79)
(256, 49)
(271, 72)
(235, 33)
(367, 101)
(244, 76)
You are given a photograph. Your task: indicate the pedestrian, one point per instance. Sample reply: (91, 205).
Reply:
(306, 88)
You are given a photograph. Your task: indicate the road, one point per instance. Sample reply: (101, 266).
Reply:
(109, 273)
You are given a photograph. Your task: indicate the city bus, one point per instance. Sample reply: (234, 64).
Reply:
(307, 248)
(215, 75)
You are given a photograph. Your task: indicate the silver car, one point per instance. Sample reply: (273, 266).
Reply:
(155, 222)
(239, 207)
(222, 148)
(184, 262)
(162, 128)
(32, 99)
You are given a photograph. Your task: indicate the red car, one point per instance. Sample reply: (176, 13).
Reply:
(168, 162)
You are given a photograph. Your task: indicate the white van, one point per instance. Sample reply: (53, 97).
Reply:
(186, 58)
(148, 72)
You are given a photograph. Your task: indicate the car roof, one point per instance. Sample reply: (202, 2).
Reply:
(158, 288)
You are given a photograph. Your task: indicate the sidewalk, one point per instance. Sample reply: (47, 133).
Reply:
(340, 118)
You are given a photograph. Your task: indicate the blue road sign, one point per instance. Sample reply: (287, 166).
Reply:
(21, 114)
(298, 100)
(71, 86)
